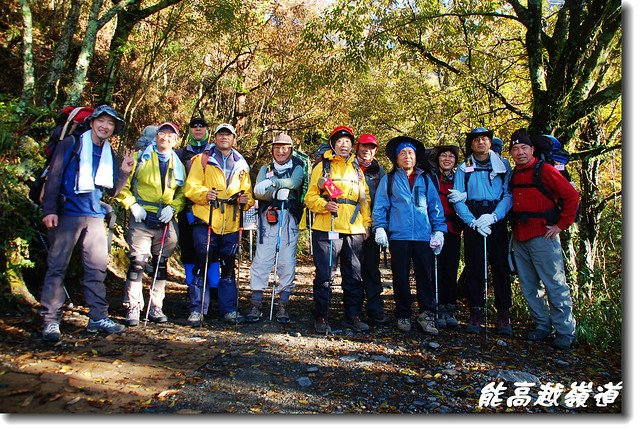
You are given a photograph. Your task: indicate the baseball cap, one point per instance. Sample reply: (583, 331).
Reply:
(225, 126)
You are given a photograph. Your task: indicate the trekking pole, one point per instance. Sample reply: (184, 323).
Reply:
(155, 274)
(46, 248)
(435, 267)
(239, 256)
(486, 292)
(384, 255)
(275, 269)
(333, 217)
(309, 222)
(212, 203)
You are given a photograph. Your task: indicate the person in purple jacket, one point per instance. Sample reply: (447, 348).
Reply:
(81, 171)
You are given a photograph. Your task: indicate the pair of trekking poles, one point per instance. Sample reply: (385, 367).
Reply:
(486, 288)
(214, 204)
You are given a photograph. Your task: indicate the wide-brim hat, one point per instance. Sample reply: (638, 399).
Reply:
(476, 132)
(392, 145)
(454, 149)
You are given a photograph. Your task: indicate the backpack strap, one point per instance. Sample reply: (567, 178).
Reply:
(134, 185)
(550, 215)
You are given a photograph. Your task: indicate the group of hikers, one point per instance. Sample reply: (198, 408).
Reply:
(194, 198)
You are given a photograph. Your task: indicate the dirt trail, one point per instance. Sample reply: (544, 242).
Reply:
(272, 368)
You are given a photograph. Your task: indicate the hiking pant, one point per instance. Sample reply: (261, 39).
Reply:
(448, 262)
(544, 286)
(348, 249)
(145, 242)
(222, 247)
(497, 253)
(90, 233)
(371, 277)
(404, 253)
(264, 258)
(188, 254)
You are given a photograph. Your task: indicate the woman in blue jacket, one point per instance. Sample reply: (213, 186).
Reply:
(409, 218)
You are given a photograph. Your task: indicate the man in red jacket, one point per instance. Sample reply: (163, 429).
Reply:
(544, 204)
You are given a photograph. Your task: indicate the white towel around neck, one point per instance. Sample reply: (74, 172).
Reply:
(497, 165)
(179, 172)
(104, 176)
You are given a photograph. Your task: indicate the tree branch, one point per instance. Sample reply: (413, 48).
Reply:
(583, 108)
(600, 207)
(594, 152)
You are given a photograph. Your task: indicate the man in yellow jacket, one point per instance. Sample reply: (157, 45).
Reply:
(153, 195)
(219, 187)
(340, 226)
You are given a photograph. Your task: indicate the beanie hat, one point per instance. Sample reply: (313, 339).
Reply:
(520, 136)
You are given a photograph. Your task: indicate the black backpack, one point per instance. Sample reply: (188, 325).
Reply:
(553, 215)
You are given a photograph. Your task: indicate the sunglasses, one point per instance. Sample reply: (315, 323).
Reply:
(197, 124)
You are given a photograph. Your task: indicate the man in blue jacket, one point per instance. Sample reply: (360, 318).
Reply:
(483, 176)
(408, 218)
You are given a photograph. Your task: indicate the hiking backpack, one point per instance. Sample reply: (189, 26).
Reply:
(550, 150)
(71, 122)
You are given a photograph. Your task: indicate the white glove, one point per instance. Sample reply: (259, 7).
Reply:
(166, 214)
(261, 187)
(484, 231)
(456, 196)
(138, 212)
(486, 220)
(281, 194)
(437, 242)
(381, 237)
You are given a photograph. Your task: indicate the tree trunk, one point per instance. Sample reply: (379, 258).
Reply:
(28, 83)
(74, 95)
(15, 257)
(127, 19)
(60, 56)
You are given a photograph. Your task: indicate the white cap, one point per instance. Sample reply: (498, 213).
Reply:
(226, 126)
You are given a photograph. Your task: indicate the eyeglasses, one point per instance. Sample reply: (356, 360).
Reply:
(197, 124)
(167, 134)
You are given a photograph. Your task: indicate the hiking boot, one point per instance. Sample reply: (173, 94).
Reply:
(449, 316)
(404, 324)
(355, 324)
(538, 335)
(563, 342)
(51, 332)
(321, 325)
(441, 318)
(475, 321)
(133, 315)
(105, 325)
(195, 319)
(256, 313)
(234, 317)
(427, 321)
(379, 318)
(157, 316)
(282, 316)
(504, 324)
